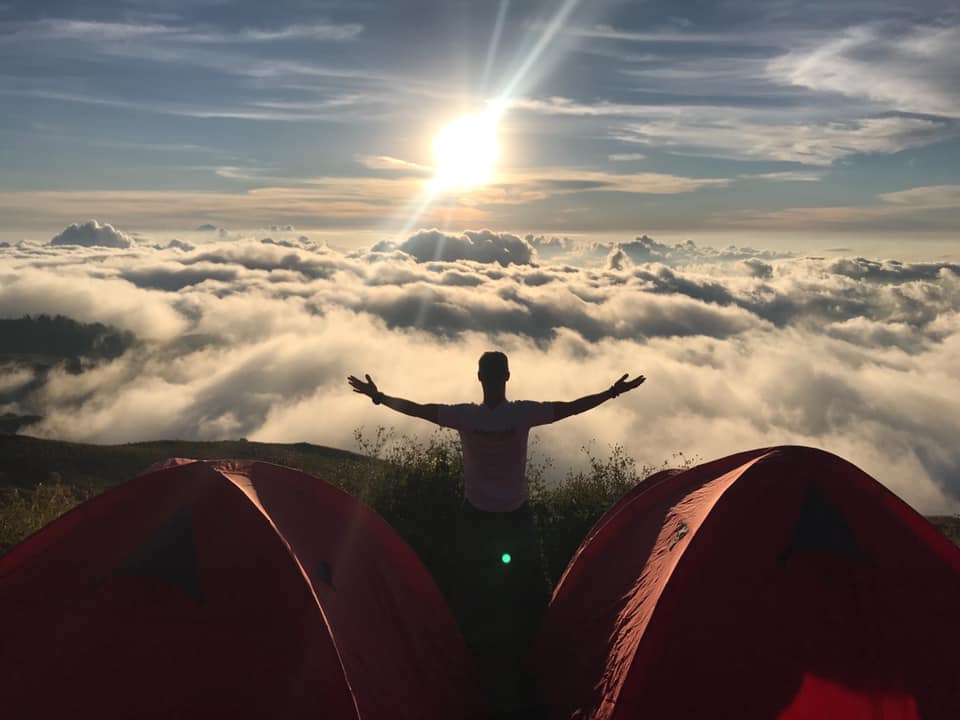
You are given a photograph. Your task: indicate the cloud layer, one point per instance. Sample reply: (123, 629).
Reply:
(743, 348)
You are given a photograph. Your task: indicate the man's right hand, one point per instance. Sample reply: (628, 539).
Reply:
(368, 388)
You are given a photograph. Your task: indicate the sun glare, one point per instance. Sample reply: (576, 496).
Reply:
(466, 151)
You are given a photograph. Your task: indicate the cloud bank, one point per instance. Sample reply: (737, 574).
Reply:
(743, 348)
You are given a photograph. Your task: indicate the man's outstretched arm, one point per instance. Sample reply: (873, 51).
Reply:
(407, 407)
(563, 410)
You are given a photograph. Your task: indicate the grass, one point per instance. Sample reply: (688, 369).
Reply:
(42, 479)
(415, 484)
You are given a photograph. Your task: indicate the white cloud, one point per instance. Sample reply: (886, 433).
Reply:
(642, 249)
(930, 196)
(783, 134)
(331, 202)
(521, 187)
(914, 205)
(118, 32)
(336, 201)
(741, 348)
(912, 69)
(225, 51)
(92, 234)
(385, 162)
(483, 246)
(647, 250)
(786, 176)
(83, 295)
(810, 143)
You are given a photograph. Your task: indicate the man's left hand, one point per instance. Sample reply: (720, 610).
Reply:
(623, 385)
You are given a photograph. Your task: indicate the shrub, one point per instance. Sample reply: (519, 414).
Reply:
(417, 487)
(23, 511)
(565, 512)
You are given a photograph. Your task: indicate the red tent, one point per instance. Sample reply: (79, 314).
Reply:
(776, 583)
(226, 589)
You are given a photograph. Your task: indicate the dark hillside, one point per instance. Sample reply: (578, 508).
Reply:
(60, 338)
(27, 461)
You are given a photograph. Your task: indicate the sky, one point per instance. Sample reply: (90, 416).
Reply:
(788, 121)
(755, 205)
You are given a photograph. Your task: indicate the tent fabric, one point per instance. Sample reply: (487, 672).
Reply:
(777, 583)
(226, 589)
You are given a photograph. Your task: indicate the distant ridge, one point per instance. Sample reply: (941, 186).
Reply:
(28, 461)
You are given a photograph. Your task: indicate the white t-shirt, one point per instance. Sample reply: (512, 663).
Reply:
(495, 449)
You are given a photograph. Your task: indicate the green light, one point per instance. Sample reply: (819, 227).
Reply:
(505, 558)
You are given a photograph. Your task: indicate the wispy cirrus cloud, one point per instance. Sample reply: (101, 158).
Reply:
(786, 176)
(931, 196)
(107, 31)
(386, 162)
(912, 204)
(337, 108)
(661, 35)
(909, 68)
(253, 53)
(338, 200)
(329, 203)
(527, 185)
(751, 133)
(809, 143)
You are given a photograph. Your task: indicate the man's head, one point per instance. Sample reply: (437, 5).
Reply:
(493, 368)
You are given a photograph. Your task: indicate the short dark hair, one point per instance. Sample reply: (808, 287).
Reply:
(493, 366)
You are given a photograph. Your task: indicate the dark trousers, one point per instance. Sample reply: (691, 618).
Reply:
(502, 591)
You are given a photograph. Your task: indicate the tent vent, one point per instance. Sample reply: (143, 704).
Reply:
(821, 528)
(169, 555)
(324, 572)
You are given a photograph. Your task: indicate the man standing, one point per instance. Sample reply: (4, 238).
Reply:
(502, 586)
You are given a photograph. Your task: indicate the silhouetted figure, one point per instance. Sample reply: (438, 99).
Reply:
(502, 587)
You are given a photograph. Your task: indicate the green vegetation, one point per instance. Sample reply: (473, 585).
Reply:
(23, 511)
(42, 479)
(949, 525)
(415, 484)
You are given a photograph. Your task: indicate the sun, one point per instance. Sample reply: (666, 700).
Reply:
(466, 151)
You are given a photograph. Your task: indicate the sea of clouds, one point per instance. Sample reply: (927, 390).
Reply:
(254, 336)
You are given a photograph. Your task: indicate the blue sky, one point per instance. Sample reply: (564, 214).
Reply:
(799, 118)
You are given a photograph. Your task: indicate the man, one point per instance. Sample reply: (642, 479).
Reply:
(502, 584)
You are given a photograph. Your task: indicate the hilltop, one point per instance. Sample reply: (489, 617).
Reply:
(27, 461)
